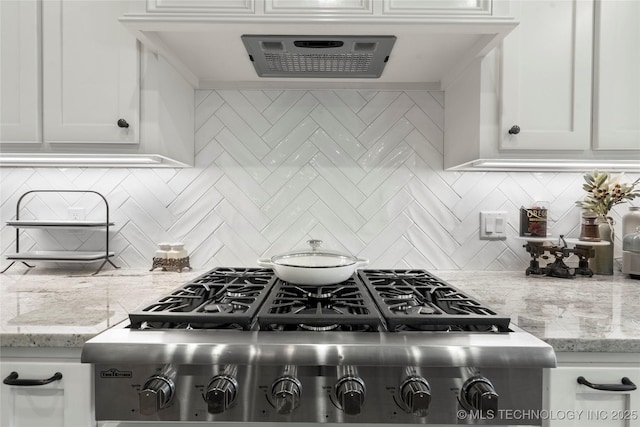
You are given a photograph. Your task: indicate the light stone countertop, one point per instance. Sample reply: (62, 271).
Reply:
(56, 308)
(584, 314)
(42, 307)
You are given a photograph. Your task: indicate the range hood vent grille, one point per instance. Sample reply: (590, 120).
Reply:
(319, 56)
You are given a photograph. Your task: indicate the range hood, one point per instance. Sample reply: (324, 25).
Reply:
(428, 52)
(318, 56)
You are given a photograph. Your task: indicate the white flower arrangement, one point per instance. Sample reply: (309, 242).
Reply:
(604, 191)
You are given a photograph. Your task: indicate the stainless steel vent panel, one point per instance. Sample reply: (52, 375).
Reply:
(341, 63)
(318, 56)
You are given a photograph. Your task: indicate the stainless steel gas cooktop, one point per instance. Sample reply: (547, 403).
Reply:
(384, 346)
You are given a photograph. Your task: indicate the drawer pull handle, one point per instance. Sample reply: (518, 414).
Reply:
(12, 379)
(626, 385)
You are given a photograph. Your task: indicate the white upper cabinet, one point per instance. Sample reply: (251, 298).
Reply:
(616, 111)
(546, 76)
(90, 73)
(200, 6)
(541, 81)
(72, 86)
(19, 71)
(334, 7)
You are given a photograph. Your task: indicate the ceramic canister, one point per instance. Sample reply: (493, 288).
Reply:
(163, 252)
(177, 250)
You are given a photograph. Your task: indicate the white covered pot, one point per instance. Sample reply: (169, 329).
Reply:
(314, 266)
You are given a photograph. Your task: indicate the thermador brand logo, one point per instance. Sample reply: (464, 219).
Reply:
(114, 373)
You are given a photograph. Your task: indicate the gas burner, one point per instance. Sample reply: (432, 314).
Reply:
(417, 300)
(406, 301)
(321, 297)
(429, 328)
(209, 298)
(223, 298)
(159, 325)
(448, 328)
(265, 273)
(319, 327)
(415, 309)
(224, 308)
(345, 306)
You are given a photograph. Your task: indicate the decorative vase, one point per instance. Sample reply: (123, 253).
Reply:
(602, 262)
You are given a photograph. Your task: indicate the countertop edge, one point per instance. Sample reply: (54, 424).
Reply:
(585, 345)
(44, 340)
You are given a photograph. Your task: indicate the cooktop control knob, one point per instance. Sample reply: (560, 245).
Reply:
(478, 394)
(415, 394)
(350, 390)
(222, 390)
(156, 394)
(285, 393)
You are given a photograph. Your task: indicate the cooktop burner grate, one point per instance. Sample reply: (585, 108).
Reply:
(371, 300)
(417, 300)
(223, 298)
(345, 306)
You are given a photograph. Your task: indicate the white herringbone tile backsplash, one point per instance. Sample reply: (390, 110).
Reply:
(361, 170)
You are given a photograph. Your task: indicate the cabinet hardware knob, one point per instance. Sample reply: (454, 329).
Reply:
(515, 129)
(12, 379)
(627, 385)
(123, 123)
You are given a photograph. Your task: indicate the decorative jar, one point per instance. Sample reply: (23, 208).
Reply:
(602, 262)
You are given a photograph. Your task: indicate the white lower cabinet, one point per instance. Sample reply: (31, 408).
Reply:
(570, 403)
(64, 402)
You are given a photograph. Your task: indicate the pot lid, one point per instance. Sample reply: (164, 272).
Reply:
(314, 257)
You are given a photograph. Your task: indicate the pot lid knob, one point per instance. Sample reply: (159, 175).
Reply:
(314, 243)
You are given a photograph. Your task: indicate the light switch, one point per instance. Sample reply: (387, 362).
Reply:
(490, 225)
(493, 225)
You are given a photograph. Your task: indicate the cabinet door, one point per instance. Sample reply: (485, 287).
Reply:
(19, 71)
(437, 7)
(573, 404)
(90, 73)
(201, 6)
(546, 76)
(63, 403)
(617, 76)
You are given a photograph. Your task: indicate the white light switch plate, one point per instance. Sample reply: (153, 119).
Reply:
(493, 225)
